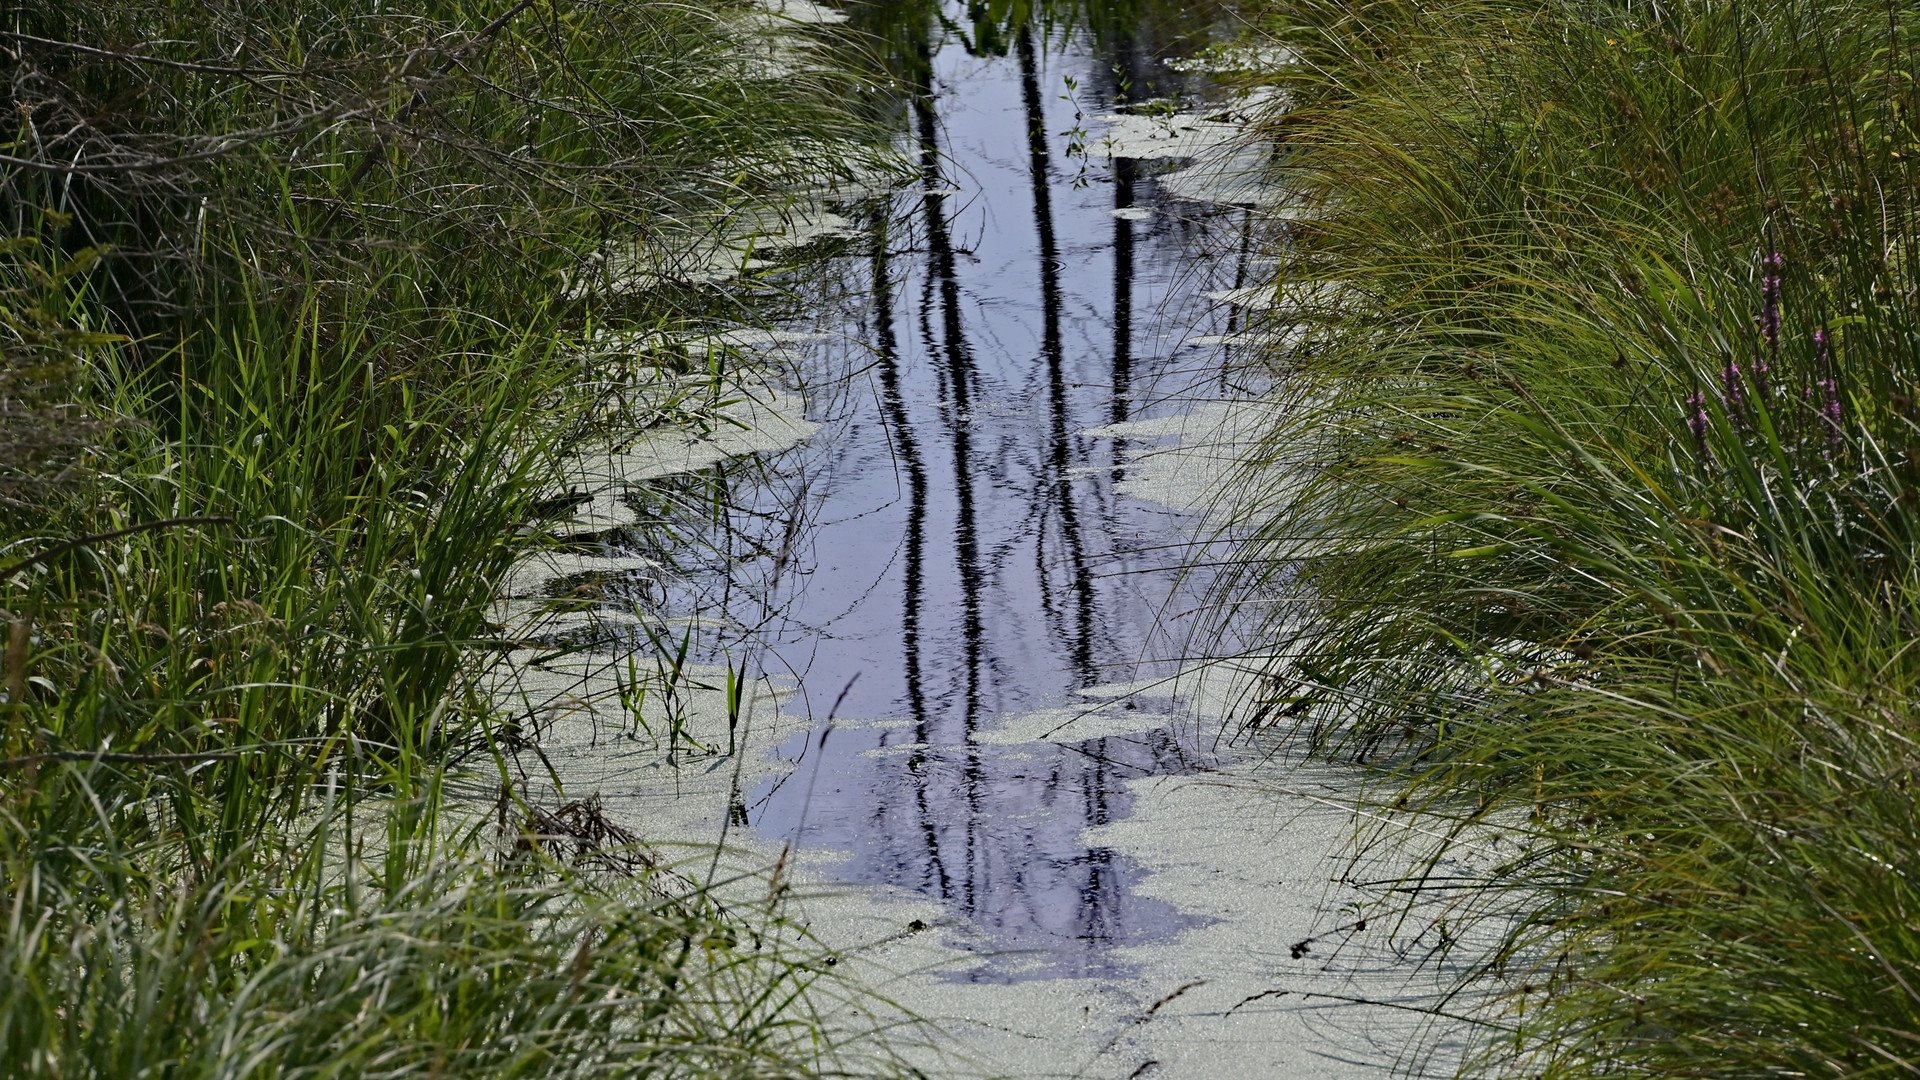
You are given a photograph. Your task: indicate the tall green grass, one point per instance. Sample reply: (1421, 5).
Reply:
(297, 303)
(1591, 504)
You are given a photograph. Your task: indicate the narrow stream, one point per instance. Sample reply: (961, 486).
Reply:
(965, 590)
(969, 560)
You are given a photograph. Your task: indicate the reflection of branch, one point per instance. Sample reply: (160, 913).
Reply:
(1251, 998)
(95, 538)
(1143, 1018)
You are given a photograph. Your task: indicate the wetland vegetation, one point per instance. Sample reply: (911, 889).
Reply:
(1585, 506)
(1590, 502)
(301, 305)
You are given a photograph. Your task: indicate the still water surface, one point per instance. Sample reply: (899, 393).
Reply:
(968, 565)
(951, 553)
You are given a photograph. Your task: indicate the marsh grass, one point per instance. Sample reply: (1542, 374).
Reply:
(229, 841)
(1593, 504)
(464, 153)
(295, 345)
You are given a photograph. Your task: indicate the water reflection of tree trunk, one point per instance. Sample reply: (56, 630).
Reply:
(959, 372)
(996, 833)
(1124, 170)
(1059, 487)
(907, 447)
(1096, 891)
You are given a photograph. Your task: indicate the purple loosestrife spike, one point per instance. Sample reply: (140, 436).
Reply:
(1770, 299)
(1735, 396)
(1697, 417)
(1829, 391)
(1697, 422)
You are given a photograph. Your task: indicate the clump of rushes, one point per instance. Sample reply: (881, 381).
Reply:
(1591, 505)
(301, 291)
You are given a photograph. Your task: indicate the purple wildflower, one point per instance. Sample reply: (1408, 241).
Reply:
(1829, 389)
(1736, 390)
(1830, 396)
(1697, 416)
(1770, 299)
(1697, 422)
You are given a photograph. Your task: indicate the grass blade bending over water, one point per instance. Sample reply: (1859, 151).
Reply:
(295, 300)
(1593, 490)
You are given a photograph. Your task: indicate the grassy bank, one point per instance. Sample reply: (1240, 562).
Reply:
(293, 299)
(1592, 502)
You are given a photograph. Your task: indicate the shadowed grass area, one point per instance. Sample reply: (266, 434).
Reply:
(1591, 504)
(302, 304)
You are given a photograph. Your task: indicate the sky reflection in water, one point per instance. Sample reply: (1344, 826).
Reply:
(968, 559)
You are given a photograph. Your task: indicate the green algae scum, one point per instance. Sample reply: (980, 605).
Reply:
(1299, 538)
